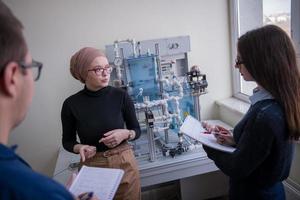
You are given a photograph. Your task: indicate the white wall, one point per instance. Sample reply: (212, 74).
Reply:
(56, 29)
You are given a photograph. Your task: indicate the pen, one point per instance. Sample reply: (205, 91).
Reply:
(86, 196)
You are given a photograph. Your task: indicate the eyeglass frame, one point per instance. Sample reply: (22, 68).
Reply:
(34, 64)
(238, 62)
(101, 69)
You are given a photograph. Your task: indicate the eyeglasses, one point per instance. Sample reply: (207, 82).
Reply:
(238, 62)
(99, 70)
(36, 68)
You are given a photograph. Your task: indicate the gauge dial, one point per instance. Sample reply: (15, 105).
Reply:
(118, 61)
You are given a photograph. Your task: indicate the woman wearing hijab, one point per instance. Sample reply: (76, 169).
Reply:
(97, 115)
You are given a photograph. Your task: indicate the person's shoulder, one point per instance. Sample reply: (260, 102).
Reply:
(23, 183)
(271, 113)
(73, 97)
(271, 108)
(117, 91)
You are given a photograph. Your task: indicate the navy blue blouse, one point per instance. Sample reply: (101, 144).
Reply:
(263, 154)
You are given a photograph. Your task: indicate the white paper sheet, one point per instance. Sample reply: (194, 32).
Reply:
(194, 129)
(103, 182)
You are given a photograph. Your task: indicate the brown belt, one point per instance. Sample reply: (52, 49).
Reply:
(117, 150)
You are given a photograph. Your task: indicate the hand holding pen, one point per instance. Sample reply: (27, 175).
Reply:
(222, 134)
(87, 196)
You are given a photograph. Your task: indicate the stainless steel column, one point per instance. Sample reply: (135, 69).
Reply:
(197, 107)
(150, 134)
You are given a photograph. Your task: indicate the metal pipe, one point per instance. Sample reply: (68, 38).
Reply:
(197, 107)
(134, 48)
(151, 143)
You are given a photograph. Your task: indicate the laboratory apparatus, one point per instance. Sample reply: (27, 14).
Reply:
(156, 75)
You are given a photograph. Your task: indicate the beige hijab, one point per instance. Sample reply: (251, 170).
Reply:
(81, 60)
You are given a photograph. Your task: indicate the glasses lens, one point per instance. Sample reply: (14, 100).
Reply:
(238, 63)
(36, 69)
(109, 69)
(35, 73)
(100, 71)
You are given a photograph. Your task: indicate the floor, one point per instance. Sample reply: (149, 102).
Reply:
(167, 191)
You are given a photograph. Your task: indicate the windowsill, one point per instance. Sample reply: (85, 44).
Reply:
(235, 105)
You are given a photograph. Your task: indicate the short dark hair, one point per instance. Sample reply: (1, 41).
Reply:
(269, 56)
(13, 46)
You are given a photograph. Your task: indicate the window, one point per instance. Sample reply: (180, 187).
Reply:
(295, 24)
(250, 14)
(278, 12)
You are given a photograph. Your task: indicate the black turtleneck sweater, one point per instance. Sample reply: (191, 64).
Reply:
(91, 114)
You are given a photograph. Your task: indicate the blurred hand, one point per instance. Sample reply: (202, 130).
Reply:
(85, 151)
(224, 137)
(113, 138)
(87, 196)
(221, 129)
(208, 127)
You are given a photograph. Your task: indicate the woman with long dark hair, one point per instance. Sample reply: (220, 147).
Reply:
(264, 137)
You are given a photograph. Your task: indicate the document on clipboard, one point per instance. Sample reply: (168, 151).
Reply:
(194, 129)
(104, 182)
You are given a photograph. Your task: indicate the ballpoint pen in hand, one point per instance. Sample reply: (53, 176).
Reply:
(87, 196)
